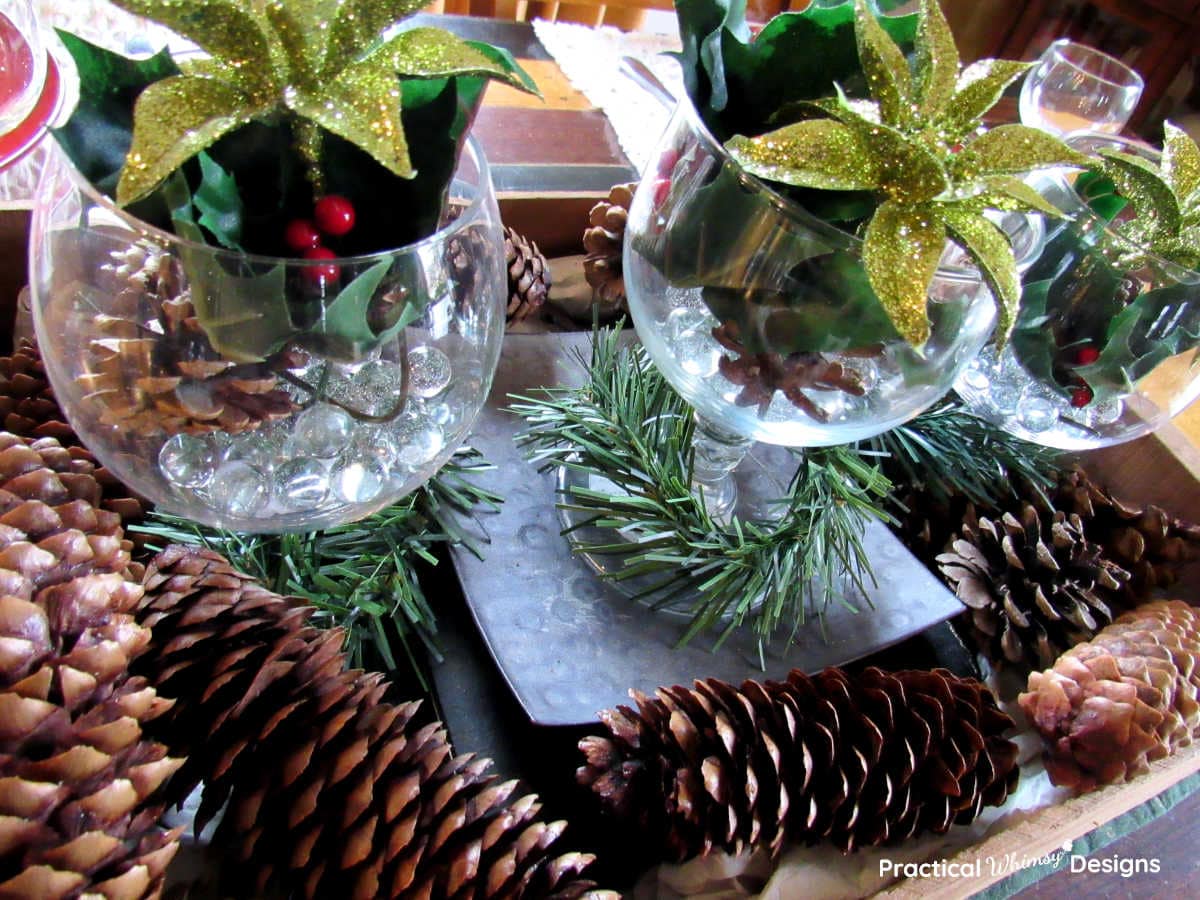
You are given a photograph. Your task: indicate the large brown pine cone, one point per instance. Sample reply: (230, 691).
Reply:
(1129, 696)
(1147, 542)
(856, 759)
(331, 791)
(31, 411)
(154, 372)
(604, 241)
(79, 784)
(528, 276)
(1034, 584)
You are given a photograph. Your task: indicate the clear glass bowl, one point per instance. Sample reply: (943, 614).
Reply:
(260, 393)
(1105, 348)
(759, 314)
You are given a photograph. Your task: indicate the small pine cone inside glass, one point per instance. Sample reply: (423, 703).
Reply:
(1109, 707)
(859, 760)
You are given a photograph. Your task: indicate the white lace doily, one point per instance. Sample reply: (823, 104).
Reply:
(591, 59)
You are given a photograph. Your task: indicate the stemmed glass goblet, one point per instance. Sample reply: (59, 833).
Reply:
(1075, 87)
(761, 315)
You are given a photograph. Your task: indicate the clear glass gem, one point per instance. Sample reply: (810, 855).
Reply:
(360, 481)
(188, 460)
(322, 431)
(376, 388)
(301, 483)
(420, 439)
(428, 371)
(262, 448)
(1037, 411)
(240, 489)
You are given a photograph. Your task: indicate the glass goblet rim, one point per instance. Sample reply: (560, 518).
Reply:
(790, 209)
(1112, 71)
(481, 189)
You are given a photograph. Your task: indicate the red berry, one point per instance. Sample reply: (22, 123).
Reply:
(321, 275)
(666, 162)
(301, 235)
(1085, 356)
(662, 187)
(334, 215)
(1081, 396)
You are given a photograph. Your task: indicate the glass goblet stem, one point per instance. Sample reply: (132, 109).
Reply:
(716, 453)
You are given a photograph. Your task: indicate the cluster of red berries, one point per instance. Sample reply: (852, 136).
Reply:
(333, 216)
(1082, 394)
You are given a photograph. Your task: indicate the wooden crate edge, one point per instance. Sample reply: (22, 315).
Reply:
(1049, 829)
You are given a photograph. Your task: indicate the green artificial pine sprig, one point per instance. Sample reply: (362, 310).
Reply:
(627, 425)
(361, 576)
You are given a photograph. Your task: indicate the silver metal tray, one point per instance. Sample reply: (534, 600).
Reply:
(569, 643)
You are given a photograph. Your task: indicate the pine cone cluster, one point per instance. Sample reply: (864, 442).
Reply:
(331, 791)
(1129, 696)
(1147, 542)
(80, 785)
(604, 241)
(162, 376)
(856, 759)
(528, 276)
(31, 411)
(1034, 584)
(27, 403)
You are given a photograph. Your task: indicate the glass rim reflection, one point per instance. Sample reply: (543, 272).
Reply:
(1113, 71)
(481, 189)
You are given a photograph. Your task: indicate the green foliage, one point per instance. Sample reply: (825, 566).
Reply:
(362, 576)
(628, 426)
(738, 85)
(1075, 296)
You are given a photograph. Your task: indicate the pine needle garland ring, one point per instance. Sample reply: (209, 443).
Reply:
(627, 425)
(630, 426)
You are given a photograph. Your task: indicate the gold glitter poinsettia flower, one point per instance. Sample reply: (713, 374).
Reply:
(327, 63)
(1166, 197)
(915, 145)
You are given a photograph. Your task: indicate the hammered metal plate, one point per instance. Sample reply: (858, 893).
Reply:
(569, 643)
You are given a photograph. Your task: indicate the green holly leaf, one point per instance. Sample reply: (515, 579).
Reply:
(219, 203)
(901, 251)
(819, 153)
(175, 119)
(979, 88)
(991, 252)
(1013, 150)
(346, 320)
(1032, 337)
(1137, 341)
(884, 65)
(937, 59)
(100, 130)
(1180, 161)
